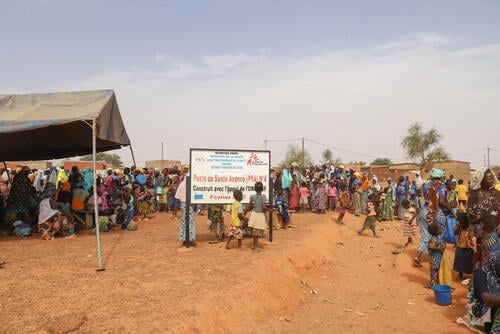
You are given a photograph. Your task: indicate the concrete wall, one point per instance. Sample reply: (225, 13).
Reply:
(100, 165)
(166, 164)
(459, 169)
(30, 164)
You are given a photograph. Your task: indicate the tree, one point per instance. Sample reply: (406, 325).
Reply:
(361, 163)
(112, 159)
(295, 154)
(423, 146)
(327, 158)
(381, 161)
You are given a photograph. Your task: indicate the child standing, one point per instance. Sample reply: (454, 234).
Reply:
(410, 230)
(281, 205)
(332, 196)
(217, 222)
(303, 197)
(342, 204)
(436, 248)
(463, 253)
(357, 200)
(257, 222)
(237, 217)
(371, 218)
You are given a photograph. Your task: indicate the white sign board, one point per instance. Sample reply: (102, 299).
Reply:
(215, 174)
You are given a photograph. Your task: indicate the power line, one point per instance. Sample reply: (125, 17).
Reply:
(281, 140)
(465, 154)
(347, 151)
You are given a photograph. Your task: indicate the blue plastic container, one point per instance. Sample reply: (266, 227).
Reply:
(443, 294)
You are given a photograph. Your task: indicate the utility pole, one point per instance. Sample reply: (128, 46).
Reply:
(488, 150)
(303, 163)
(161, 156)
(484, 157)
(265, 144)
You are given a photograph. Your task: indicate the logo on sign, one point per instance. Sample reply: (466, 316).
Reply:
(253, 159)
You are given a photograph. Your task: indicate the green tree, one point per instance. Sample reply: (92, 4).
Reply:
(381, 161)
(423, 145)
(295, 154)
(111, 159)
(327, 158)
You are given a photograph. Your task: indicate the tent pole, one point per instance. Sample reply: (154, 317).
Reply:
(96, 209)
(132, 152)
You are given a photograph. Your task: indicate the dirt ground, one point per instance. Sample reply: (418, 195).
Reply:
(152, 285)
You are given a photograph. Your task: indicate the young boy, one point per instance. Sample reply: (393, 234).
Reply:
(304, 194)
(342, 204)
(371, 219)
(237, 217)
(357, 200)
(281, 205)
(216, 217)
(436, 248)
(410, 229)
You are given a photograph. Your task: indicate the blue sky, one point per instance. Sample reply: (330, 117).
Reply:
(349, 74)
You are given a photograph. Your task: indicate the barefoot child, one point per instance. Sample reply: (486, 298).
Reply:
(257, 222)
(342, 204)
(463, 253)
(237, 218)
(217, 222)
(410, 230)
(332, 196)
(281, 205)
(304, 194)
(371, 219)
(436, 248)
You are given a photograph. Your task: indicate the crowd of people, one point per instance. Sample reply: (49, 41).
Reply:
(61, 202)
(444, 210)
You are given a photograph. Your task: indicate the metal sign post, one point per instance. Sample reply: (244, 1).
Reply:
(188, 208)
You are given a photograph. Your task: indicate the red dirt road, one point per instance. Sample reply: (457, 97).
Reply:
(151, 285)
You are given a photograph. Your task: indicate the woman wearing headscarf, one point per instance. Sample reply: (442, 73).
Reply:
(387, 204)
(294, 194)
(62, 178)
(286, 180)
(50, 219)
(39, 181)
(278, 183)
(401, 195)
(437, 199)
(22, 197)
(482, 313)
(484, 199)
(63, 187)
(75, 178)
(53, 172)
(88, 179)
